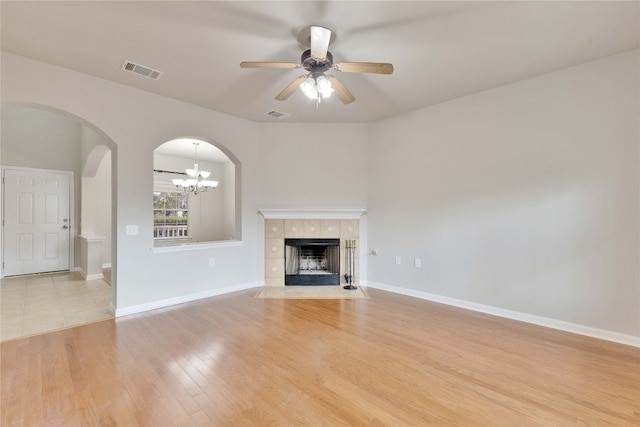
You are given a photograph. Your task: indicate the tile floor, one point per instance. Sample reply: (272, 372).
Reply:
(31, 305)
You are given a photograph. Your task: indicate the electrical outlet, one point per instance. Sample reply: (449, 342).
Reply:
(417, 263)
(131, 230)
(212, 262)
(398, 260)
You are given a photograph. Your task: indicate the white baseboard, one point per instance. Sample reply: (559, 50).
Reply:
(118, 312)
(88, 277)
(515, 315)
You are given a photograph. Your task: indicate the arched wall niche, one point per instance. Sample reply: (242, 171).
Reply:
(187, 219)
(94, 145)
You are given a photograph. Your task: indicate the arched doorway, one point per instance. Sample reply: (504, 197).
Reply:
(39, 137)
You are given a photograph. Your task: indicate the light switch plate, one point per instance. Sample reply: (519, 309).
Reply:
(132, 230)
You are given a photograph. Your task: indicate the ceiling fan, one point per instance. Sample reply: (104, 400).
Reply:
(317, 61)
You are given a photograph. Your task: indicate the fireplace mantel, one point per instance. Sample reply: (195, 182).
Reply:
(312, 213)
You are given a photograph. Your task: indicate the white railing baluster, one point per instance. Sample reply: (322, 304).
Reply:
(164, 231)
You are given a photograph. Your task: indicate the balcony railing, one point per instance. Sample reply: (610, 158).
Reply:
(170, 231)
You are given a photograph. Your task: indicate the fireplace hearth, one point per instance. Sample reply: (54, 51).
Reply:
(312, 262)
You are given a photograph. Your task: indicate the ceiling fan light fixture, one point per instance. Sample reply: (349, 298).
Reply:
(317, 86)
(317, 60)
(312, 94)
(324, 86)
(308, 87)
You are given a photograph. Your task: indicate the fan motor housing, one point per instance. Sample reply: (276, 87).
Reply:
(312, 65)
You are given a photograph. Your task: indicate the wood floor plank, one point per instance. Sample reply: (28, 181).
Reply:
(32, 399)
(12, 405)
(388, 360)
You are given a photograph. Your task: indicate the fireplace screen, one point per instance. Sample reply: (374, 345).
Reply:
(312, 261)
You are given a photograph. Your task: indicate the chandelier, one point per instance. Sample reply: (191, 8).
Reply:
(196, 181)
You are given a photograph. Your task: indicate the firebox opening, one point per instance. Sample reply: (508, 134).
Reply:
(312, 262)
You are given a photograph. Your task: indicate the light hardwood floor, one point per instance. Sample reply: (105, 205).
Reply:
(388, 360)
(45, 302)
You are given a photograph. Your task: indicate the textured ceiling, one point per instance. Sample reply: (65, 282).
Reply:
(440, 50)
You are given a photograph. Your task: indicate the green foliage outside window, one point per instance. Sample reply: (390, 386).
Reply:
(170, 220)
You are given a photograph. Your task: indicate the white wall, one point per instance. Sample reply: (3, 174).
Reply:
(103, 218)
(96, 206)
(57, 137)
(95, 217)
(229, 200)
(136, 122)
(307, 166)
(523, 197)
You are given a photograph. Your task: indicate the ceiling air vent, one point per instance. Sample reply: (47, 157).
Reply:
(141, 70)
(277, 114)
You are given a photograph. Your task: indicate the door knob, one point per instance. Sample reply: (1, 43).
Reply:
(65, 227)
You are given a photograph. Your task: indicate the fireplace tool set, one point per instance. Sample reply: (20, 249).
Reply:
(350, 266)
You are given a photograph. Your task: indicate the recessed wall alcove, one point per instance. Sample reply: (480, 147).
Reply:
(281, 224)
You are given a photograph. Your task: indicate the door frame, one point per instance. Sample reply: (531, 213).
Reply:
(73, 233)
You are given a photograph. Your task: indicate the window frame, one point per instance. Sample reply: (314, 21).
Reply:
(177, 208)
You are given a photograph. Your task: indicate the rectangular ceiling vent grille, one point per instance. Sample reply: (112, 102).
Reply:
(141, 70)
(277, 114)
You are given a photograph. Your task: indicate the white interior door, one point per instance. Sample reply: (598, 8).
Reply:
(36, 226)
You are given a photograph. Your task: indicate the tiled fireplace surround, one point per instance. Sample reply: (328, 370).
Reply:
(288, 224)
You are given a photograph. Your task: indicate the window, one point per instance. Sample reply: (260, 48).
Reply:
(170, 215)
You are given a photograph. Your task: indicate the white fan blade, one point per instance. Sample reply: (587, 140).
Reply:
(320, 38)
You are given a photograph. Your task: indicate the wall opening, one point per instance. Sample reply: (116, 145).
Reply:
(193, 217)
